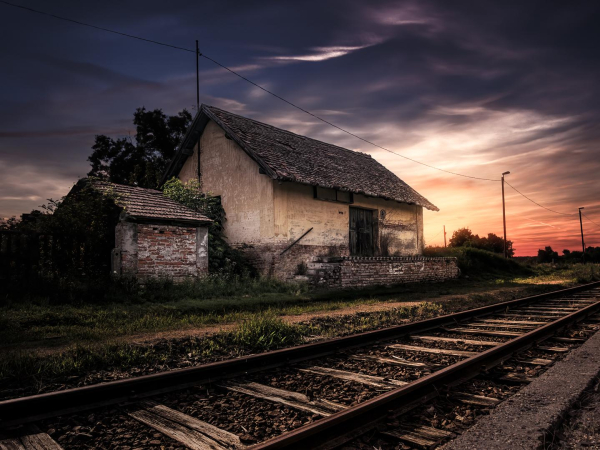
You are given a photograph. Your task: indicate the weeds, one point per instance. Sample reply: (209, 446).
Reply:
(266, 332)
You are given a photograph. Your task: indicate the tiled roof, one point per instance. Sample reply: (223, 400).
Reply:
(286, 156)
(142, 203)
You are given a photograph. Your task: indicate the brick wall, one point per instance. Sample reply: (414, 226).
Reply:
(157, 251)
(352, 272)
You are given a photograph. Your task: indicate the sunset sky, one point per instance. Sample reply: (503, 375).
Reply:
(473, 87)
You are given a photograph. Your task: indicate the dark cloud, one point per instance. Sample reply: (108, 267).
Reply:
(476, 87)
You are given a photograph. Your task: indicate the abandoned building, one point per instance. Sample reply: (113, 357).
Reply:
(301, 208)
(155, 237)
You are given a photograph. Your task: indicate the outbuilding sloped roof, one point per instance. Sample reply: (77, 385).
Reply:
(287, 156)
(143, 203)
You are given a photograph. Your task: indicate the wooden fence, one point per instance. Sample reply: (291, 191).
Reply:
(27, 257)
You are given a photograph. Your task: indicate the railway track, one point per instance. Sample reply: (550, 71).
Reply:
(320, 395)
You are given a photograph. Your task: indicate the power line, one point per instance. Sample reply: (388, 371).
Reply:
(431, 239)
(96, 27)
(536, 203)
(245, 79)
(597, 224)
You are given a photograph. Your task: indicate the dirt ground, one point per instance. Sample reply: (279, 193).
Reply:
(150, 338)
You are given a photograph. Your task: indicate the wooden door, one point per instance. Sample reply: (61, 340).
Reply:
(361, 232)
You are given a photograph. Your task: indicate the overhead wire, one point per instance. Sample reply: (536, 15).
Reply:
(214, 61)
(583, 214)
(152, 41)
(536, 203)
(431, 239)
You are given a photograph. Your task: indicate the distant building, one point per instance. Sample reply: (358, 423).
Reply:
(295, 204)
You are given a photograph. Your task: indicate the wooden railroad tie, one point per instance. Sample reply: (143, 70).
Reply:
(419, 435)
(189, 431)
(379, 382)
(455, 340)
(29, 437)
(483, 332)
(394, 360)
(289, 398)
(438, 351)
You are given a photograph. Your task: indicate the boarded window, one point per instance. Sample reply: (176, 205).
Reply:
(333, 195)
(344, 197)
(326, 194)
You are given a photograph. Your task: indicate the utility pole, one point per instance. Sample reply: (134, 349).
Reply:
(444, 236)
(197, 79)
(504, 214)
(582, 242)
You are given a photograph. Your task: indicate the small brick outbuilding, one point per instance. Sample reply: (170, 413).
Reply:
(156, 237)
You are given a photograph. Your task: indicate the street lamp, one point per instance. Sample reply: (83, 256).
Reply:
(582, 243)
(504, 214)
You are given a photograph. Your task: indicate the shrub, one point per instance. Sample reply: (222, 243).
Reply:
(475, 262)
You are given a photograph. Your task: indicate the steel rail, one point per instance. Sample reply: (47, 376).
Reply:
(32, 408)
(334, 430)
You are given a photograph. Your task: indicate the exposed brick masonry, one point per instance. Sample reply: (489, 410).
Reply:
(165, 250)
(349, 272)
(160, 250)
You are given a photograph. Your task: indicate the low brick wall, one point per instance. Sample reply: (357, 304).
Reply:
(352, 272)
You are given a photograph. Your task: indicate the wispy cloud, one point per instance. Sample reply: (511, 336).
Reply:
(321, 53)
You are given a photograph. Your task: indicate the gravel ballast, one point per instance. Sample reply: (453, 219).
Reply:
(526, 419)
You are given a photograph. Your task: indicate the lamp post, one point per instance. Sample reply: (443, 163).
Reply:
(582, 242)
(504, 214)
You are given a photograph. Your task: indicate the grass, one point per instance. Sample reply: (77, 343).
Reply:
(92, 338)
(37, 322)
(25, 372)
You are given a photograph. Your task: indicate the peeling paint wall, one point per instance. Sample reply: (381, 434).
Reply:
(227, 171)
(296, 211)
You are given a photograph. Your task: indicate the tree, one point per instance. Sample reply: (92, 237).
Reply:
(464, 237)
(140, 161)
(547, 255)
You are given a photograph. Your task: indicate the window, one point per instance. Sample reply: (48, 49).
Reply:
(333, 195)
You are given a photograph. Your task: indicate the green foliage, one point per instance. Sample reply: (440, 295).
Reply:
(142, 160)
(222, 258)
(479, 263)
(464, 237)
(265, 332)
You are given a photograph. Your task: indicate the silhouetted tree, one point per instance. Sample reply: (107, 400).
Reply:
(140, 161)
(547, 255)
(464, 237)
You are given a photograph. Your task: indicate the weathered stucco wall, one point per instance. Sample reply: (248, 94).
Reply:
(265, 216)
(227, 171)
(356, 272)
(156, 251)
(296, 210)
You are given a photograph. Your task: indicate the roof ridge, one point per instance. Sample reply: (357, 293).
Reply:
(356, 152)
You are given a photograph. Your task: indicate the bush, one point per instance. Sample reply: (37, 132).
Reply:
(479, 263)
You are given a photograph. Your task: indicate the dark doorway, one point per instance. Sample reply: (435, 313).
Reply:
(361, 232)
